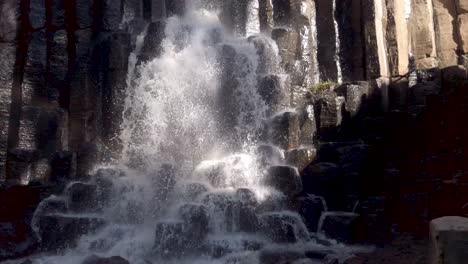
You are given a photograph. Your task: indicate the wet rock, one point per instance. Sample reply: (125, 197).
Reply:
(193, 191)
(248, 220)
(93, 259)
(283, 227)
(301, 157)
(279, 256)
(213, 172)
(271, 90)
(267, 53)
(269, 155)
(326, 48)
(19, 165)
(53, 205)
(82, 197)
(169, 239)
(195, 217)
(329, 111)
(63, 166)
(220, 248)
(152, 45)
(449, 239)
(224, 209)
(16, 240)
(285, 179)
(166, 181)
(287, 41)
(324, 179)
(283, 130)
(246, 197)
(355, 95)
(308, 126)
(59, 232)
(343, 226)
(311, 208)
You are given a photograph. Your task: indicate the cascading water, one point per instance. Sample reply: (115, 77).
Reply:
(190, 183)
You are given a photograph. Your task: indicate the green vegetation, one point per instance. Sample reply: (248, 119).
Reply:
(321, 87)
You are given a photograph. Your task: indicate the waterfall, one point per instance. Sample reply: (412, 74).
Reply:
(193, 184)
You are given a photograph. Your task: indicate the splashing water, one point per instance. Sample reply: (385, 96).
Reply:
(189, 184)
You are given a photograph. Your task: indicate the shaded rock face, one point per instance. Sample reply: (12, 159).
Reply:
(449, 239)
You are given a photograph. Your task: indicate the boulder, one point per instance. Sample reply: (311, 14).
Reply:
(94, 259)
(285, 179)
(17, 240)
(283, 227)
(343, 226)
(449, 240)
(60, 232)
(311, 208)
(301, 157)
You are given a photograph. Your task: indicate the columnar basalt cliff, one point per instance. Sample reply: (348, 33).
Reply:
(357, 104)
(65, 63)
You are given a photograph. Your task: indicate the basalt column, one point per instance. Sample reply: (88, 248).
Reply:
(326, 37)
(351, 51)
(422, 34)
(397, 38)
(9, 26)
(446, 32)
